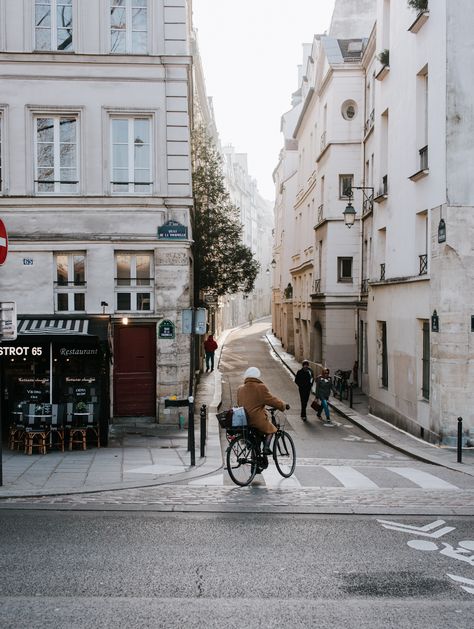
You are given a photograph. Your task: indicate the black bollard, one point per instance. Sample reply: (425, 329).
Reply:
(459, 439)
(203, 428)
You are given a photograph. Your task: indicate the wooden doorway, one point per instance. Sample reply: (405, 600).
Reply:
(134, 371)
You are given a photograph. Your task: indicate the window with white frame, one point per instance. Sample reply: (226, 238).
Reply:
(56, 154)
(70, 283)
(345, 185)
(344, 269)
(128, 26)
(53, 25)
(131, 155)
(133, 282)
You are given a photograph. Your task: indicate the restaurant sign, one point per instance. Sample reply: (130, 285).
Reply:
(172, 230)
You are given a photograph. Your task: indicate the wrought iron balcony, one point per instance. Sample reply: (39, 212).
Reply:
(423, 264)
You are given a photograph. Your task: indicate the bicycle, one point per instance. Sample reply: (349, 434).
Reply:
(341, 383)
(245, 457)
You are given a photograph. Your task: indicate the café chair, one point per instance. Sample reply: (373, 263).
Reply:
(57, 431)
(37, 427)
(16, 433)
(83, 423)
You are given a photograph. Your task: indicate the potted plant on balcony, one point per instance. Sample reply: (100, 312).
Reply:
(384, 57)
(418, 5)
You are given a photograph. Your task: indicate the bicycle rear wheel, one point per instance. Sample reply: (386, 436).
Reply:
(241, 461)
(284, 454)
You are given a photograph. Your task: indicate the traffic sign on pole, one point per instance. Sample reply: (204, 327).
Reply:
(3, 242)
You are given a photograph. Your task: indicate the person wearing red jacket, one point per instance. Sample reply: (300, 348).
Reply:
(210, 347)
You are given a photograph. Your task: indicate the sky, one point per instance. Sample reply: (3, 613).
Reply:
(250, 50)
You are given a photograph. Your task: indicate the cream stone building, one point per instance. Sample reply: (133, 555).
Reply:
(96, 195)
(394, 126)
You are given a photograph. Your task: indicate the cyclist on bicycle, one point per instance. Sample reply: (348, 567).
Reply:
(253, 395)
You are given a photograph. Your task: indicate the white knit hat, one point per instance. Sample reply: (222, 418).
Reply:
(252, 372)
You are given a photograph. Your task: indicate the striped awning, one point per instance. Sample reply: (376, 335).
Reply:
(53, 326)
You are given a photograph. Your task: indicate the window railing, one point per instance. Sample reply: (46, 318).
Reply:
(364, 287)
(382, 272)
(423, 264)
(368, 204)
(424, 158)
(317, 285)
(320, 212)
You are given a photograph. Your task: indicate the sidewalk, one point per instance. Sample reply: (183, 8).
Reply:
(379, 428)
(137, 456)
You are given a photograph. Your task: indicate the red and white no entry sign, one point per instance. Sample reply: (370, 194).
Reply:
(3, 242)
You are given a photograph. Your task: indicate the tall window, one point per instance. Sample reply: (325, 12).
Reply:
(344, 269)
(56, 154)
(382, 352)
(425, 383)
(131, 155)
(134, 281)
(53, 24)
(345, 184)
(128, 26)
(70, 284)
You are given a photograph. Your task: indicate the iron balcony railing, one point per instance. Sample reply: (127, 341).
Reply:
(368, 204)
(423, 264)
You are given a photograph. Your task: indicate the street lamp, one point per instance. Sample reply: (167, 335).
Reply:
(350, 213)
(273, 263)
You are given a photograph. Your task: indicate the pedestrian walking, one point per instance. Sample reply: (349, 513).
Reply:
(210, 347)
(304, 379)
(250, 319)
(323, 391)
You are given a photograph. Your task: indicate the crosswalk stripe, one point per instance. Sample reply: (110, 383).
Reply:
(349, 477)
(422, 479)
(274, 479)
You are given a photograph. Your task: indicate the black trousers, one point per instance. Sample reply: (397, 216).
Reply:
(304, 397)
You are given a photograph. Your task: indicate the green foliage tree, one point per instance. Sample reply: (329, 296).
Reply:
(222, 263)
(418, 5)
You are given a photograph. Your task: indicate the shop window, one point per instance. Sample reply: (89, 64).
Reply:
(53, 25)
(56, 154)
(128, 26)
(344, 269)
(131, 155)
(134, 273)
(70, 284)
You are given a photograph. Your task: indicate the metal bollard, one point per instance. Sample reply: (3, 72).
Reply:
(203, 428)
(459, 439)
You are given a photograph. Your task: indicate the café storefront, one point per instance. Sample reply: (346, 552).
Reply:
(57, 361)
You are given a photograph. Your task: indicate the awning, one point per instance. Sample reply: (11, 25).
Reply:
(54, 326)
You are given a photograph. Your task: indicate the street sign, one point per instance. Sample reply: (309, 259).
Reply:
(166, 330)
(172, 230)
(3, 242)
(8, 321)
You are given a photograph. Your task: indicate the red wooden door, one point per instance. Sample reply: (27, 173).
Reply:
(134, 371)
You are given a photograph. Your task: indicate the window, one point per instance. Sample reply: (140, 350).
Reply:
(382, 354)
(53, 25)
(56, 154)
(348, 109)
(70, 283)
(345, 185)
(131, 155)
(133, 281)
(425, 385)
(128, 26)
(344, 269)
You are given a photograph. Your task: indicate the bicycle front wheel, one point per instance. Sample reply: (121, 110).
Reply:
(241, 460)
(284, 454)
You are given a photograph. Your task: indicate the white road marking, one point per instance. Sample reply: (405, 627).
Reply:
(467, 582)
(422, 479)
(419, 530)
(350, 477)
(274, 479)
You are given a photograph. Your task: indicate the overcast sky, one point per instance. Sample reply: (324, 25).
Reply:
(250, 50)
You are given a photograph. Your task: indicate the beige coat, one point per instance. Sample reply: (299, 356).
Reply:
(253, 395)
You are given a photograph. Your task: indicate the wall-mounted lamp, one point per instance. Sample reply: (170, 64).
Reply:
(124, 320)
(273, 263)
(350, 213)
(104, 305)
(442, 231)
(434, 322)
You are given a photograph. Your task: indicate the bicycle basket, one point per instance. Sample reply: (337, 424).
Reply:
(235, 417)
(225, 419)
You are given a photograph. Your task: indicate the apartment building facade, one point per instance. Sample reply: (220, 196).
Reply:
(96, 195)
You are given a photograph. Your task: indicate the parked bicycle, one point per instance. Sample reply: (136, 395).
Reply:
(341, 383)
(245, 457)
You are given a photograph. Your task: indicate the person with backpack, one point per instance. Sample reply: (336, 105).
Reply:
(304, 379)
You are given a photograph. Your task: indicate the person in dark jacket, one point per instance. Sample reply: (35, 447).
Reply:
(323, 391)
(304, 379)
(210, 347)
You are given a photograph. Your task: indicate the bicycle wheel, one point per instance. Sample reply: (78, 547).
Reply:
(284, 453)
(241, 461)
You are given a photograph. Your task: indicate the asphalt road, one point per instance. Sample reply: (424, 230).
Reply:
(135, 570)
